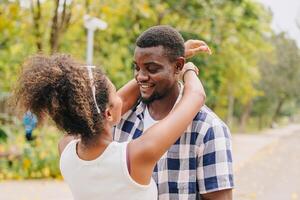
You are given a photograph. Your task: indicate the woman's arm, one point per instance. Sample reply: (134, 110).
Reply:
(146, 150)
(129, 94)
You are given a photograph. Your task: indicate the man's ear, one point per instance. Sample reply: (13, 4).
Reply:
(180, 61)
(108, 115)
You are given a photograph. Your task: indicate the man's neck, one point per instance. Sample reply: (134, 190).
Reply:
(159, 109)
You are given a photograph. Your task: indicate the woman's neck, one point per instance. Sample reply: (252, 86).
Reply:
(96, 147)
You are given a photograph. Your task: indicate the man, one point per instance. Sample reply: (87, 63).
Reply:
(199, 164)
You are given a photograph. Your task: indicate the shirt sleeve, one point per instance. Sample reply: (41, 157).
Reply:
(214, 170)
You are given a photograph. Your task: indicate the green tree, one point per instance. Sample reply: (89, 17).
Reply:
(234, 29)
(281, 75)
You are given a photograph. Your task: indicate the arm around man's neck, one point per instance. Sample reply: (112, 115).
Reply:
(129, 95)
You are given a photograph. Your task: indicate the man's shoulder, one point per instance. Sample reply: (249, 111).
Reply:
(207, 122)
(207, 116)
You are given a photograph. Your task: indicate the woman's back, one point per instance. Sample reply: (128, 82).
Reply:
(106, 177)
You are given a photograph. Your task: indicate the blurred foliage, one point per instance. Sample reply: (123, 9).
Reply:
(3, 136)
(20, 159)
(280, 71)
(251, 78)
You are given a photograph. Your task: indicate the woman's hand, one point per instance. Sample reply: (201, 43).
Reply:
(188, 67)
(193, 47)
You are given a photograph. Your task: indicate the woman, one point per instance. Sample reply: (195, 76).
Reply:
(84, 103)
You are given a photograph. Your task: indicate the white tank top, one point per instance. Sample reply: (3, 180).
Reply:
(105, 178)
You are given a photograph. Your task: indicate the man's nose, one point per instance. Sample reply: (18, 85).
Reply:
(141, 76)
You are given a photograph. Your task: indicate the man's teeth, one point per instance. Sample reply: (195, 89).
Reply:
(145, 86)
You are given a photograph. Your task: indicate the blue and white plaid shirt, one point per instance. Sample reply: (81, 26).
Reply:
(199, 162)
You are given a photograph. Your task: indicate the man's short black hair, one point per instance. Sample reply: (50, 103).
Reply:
(165, 36)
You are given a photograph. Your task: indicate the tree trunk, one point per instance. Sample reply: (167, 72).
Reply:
(36, 17)
(245, 116)
(87, 6)
(278, 109)
(54, 36)
(230, 108)
(60, 23)
(260, 122)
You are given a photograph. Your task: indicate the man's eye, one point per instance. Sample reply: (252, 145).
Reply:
(135, 67)
(152, 69)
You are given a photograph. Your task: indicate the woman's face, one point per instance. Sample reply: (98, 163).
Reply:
(114, 105)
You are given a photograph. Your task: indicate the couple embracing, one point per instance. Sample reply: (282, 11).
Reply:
(152, 139)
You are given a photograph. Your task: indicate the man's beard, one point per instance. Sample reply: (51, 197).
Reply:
(153, 97)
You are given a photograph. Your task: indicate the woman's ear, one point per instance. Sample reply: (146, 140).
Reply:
(108, 115)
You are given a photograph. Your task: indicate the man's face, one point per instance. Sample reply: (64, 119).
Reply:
(154, 73)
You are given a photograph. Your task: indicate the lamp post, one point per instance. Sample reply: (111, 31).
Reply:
(92, 24)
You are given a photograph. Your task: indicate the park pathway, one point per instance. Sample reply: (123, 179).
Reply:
(273, 173)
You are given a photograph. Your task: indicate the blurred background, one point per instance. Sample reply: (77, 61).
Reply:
(251, 81)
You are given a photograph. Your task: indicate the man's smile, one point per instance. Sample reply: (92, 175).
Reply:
(143, 85)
